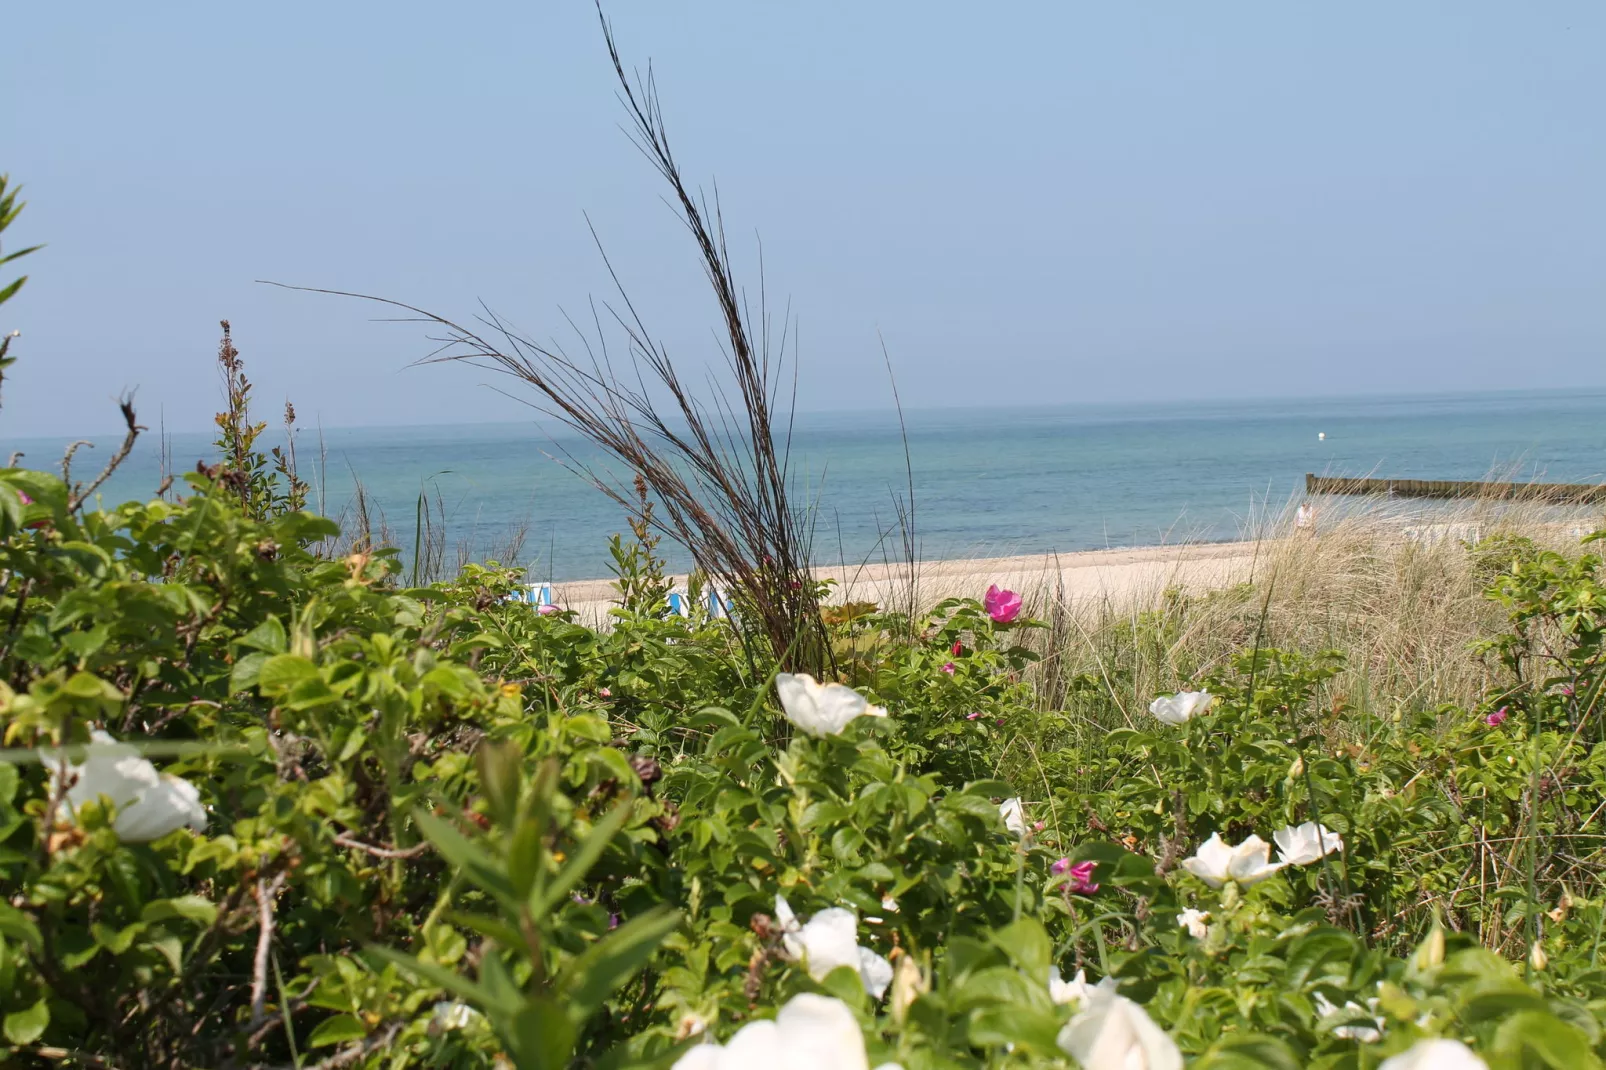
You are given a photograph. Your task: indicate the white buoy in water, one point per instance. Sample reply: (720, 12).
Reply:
(1321, 436)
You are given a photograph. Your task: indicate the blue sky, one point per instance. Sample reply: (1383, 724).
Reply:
(1033, 203)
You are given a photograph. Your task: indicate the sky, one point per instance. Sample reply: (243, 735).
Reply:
(1035, 203)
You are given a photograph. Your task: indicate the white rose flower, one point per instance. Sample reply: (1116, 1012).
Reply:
(821, 709)
(1111, 1032)
(829, 940)
(173, 803)
(149, 804)
(1307, 843)
(811, 1032)
(1195, 921)
(454, 1014)
(1215, 863)
(1181, 707)
(1014, 815)
(1076, 990)
(1439, 1054)
(1353, 1031)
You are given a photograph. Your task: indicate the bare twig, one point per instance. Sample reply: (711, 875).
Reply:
(74, 1058)
(134, 428)
(265, 892)
(67, 456)
(381, 852)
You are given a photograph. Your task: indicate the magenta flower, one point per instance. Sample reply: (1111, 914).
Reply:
(1497, 718)
(948, 668)
(1567, 689)
(972, 716)
(548, 610)
(1079, 877)
(1002, 606)
(22, 496)
(999, 721)
(1038, 826)
(604, 692)
(957, 649)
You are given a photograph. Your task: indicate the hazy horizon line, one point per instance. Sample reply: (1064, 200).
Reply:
(891, 410)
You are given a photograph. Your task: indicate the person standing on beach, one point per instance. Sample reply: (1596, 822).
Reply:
(1305, 519)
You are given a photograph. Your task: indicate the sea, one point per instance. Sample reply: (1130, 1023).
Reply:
(982, 482)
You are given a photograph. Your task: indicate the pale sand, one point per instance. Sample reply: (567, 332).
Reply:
(1120, 577)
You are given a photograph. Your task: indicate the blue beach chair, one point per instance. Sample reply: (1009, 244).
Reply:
(679, 604)
(535, 594)
(719, 603)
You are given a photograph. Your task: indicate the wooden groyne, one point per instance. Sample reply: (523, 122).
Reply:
(1558, 493)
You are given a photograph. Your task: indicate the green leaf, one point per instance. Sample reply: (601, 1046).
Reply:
(247, 672)
(460, 986)
(283, 671)
(1248, 1052)
(477, 865)
(116, 941)
(1539, 1038)
(27, 1026)
(1027, 943)
(194, 907)
(337, 1030)
(585, 856)
(592, 976)
(540, 1036)
(268, 636)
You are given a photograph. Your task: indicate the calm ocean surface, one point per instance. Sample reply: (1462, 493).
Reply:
(987, 482)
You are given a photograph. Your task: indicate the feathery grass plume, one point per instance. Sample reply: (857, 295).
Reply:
(717, 471)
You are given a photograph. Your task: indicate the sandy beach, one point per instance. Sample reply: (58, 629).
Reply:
(1119, 577)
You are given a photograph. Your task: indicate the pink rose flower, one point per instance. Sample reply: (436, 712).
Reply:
(604, 692)
(1081, 881)
(972, 716)
(1002, 606)
(948, 668)
(1497, 718)
(548, 610)
(957, 649)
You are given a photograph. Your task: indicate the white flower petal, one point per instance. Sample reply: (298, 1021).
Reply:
(1437, 1054)
(1014, 815)
(1181, 707)
(171, 805)
(830, 939)
(821, 709)
(1306, 844)
(1196, 922)
(811, 1032)
(1111, 1032)
(875, 972)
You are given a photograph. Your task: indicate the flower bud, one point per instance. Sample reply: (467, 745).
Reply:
(908, 984)
(1430, 952)
(1537, 957)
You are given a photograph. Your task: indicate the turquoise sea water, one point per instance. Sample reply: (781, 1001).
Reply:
(986, 482)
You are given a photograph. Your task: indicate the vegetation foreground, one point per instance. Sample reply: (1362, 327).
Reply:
(435, 827)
